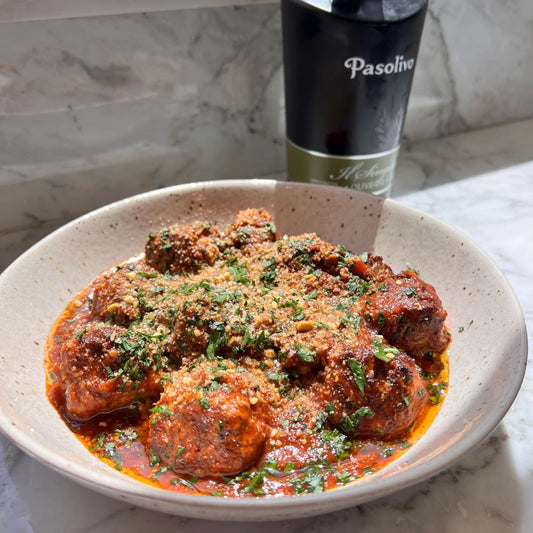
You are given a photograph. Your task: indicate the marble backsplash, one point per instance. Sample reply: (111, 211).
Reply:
(98, 108)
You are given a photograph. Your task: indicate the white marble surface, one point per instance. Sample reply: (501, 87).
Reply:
(481, 183)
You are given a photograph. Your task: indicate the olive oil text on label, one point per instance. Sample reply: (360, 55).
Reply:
(365, 177)
(359, 65)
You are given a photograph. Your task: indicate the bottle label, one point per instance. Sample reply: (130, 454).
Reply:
(372, 173)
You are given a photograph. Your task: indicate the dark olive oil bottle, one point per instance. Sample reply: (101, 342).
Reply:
(348, 69)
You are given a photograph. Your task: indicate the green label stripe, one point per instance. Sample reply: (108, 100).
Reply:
(368, 173)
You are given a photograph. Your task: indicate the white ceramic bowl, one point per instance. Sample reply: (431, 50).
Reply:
(487, 359)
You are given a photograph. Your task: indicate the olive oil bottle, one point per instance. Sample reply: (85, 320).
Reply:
(348, 69)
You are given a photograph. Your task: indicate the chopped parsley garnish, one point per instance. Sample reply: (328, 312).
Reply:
(204, 402)
(384, 353)
(305, 353)
(338, 442)
(358, 287)
(270, 228)
(349, 422)
(162, 410)
(381, 320)
(351, 320)
(217, 338)
(358, 373)
(165, 238)
(411, 292)
(268, 277)
(436, 391)
(255, 483)
(239, 273)
(344, 477)
(297, 310)
(312, 481)
(146, 274)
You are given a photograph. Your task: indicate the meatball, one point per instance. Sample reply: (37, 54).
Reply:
(184, 249)
(396, 394)
(410, 315)
(96, 378)
(206, 434)
(373, 389)
(307, 250)
(250, 228)
(119, 294)
(374, 269)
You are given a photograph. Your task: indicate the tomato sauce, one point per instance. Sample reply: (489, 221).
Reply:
(117, 440)
(236, 364)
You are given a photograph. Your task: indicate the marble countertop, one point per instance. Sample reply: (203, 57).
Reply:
(479, 182)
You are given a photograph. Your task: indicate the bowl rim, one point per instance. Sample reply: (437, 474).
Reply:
(293, 505)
